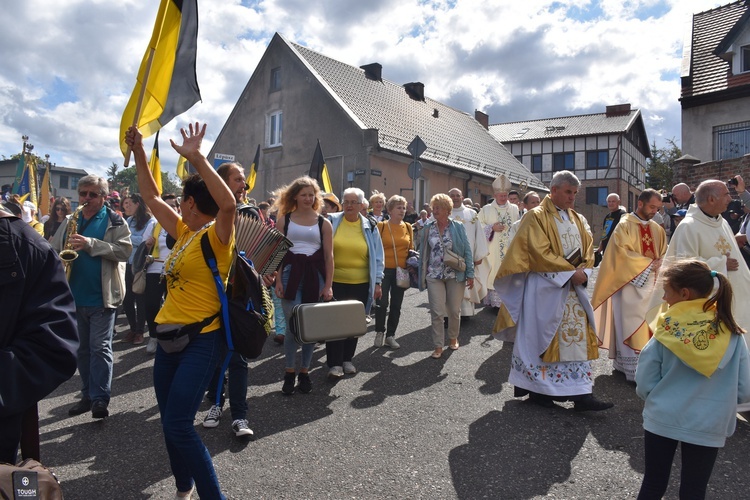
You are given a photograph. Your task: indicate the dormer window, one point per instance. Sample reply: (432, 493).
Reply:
(745, 58)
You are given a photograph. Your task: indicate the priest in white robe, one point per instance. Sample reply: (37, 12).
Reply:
(497, 218)
(478, 243)
(627, 282)
(545, 306)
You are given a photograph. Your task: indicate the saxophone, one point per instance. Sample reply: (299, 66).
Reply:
(68, 255)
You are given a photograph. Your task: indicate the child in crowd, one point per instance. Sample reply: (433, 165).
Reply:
(692, 374)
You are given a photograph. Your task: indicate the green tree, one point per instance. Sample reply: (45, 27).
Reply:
(112, 175)
(659, 171)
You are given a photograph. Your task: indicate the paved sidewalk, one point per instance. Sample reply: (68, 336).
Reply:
(406, 426)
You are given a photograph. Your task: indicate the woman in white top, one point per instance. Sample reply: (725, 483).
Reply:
(307, 270)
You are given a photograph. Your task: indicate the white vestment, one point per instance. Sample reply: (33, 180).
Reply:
(479, 250)
(710, 240)
(545, 306)
(497, 241)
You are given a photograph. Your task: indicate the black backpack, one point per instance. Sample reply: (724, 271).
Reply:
(247, 307)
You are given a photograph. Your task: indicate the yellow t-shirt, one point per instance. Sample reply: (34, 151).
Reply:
(191, 292)
(350, 255)
(401, 236)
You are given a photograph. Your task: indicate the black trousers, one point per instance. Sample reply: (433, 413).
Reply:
(396, 294)
(340, 351)
(697, 465)
(155, 292)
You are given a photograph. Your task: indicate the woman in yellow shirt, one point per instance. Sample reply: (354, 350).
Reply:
(357, 271)
(182, 376)
(398, 238)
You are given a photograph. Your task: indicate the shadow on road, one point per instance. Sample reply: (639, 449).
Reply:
(505, 460)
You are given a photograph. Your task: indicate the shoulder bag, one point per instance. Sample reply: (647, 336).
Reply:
(402, 275)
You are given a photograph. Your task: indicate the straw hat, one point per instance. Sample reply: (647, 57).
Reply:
(333, 199)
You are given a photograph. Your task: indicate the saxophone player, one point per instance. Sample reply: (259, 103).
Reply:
(102, 241)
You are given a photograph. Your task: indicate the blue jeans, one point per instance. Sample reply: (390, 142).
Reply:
(279, 318)
(237, 383)
(290, 345)
(95, 328)
(180, 380)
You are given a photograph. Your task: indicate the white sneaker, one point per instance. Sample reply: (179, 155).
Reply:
(349, 368)
(335, 372)
(379, 339)
(213, 417)
(241, 429)
(391, 342)
(368, 319)
(151, 347)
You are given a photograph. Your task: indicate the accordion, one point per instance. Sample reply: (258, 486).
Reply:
(263, 245)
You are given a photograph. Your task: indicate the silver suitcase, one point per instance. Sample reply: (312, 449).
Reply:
(323, 321)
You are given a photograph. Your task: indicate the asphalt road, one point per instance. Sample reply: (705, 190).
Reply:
(406, 426)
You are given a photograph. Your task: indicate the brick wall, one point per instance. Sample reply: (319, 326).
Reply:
(694, 174)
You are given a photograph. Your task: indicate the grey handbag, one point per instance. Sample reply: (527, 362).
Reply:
(322, 321)
(453, 260)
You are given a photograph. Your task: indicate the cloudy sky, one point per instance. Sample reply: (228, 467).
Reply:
(68, 66)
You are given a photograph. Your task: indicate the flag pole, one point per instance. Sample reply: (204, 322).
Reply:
(139, 104)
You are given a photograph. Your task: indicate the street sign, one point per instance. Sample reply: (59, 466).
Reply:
(414, 170)
(376, 173)
(220, 158)
(417, 147)
(359, 171)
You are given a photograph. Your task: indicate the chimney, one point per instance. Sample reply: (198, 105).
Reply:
(482, 118)
(415, 90)
(373, 71)
(618, 110)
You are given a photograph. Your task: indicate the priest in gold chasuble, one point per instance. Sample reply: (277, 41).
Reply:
(627, 281)
(545, 306)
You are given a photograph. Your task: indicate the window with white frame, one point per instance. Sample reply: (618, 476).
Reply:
(273, 128)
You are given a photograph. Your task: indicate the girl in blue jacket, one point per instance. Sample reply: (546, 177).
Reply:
(692, 374)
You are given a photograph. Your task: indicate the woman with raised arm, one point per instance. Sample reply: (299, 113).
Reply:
(190, 314)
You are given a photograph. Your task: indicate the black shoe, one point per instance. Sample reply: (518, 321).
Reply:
(304, 385)
(279, 339)
(99, 409)
(590, 403)
(80, 407)
(288, 387)
(542, 400)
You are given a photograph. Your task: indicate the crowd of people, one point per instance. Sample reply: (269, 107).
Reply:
(665, 303)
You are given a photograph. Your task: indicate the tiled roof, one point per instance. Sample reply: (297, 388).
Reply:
(453, 138)
(564, 126)
(708, 71)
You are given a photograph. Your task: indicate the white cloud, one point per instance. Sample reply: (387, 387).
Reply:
(514, 60)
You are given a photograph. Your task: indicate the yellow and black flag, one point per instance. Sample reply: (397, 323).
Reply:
(182, 169)
(166, 85)
(319, 171)
(155, 164)
(253, 170)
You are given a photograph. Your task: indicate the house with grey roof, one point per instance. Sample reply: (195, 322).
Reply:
(297, 96)
(607, 152)
(715, 77)
(63, 180)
